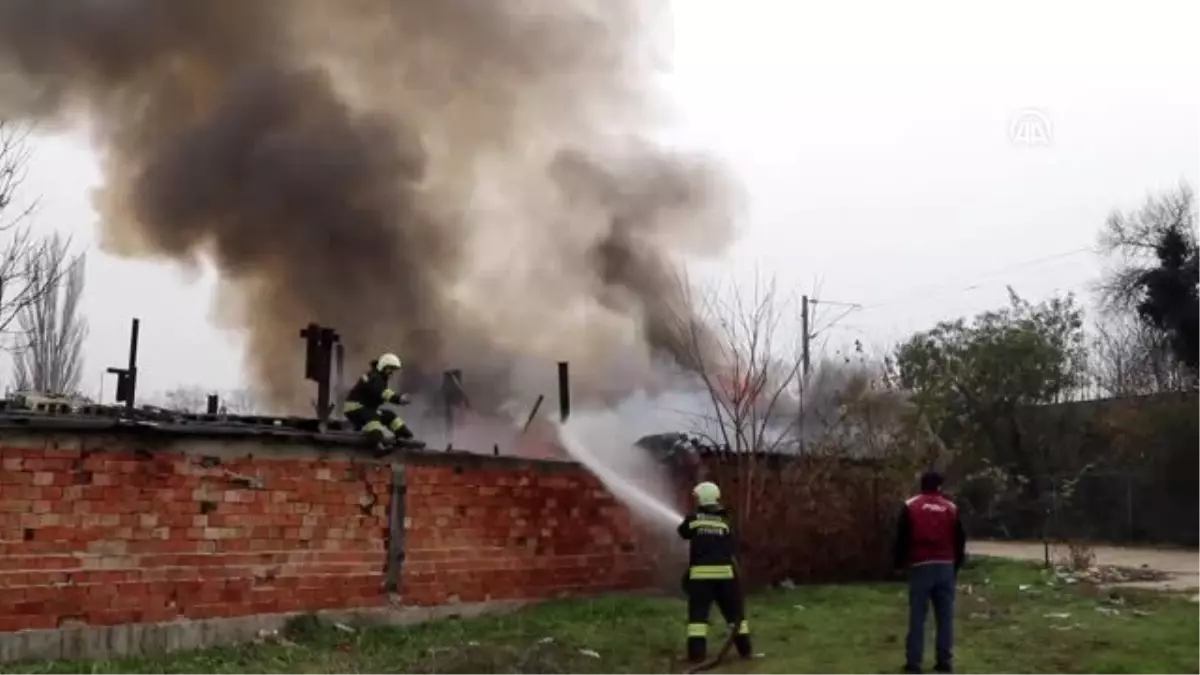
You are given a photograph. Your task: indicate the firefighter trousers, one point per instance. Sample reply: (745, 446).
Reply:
(380, 424)
(701, 594)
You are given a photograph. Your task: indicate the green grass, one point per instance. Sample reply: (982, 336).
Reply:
(848, 628)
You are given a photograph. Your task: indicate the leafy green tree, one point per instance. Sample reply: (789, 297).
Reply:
(969, 378)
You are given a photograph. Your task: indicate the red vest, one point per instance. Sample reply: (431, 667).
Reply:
(933, 519)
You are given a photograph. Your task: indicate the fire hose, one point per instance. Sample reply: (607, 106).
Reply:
(721, 654)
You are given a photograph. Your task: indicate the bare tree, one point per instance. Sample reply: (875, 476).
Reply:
(743, 350)
(747, 372)
(49, 353)
(1130, 241)
(1155, 269)
(14, 163)
(1129, 358)
(742, 347)
(21, 284)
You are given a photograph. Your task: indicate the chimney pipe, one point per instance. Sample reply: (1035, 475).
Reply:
(564, 391)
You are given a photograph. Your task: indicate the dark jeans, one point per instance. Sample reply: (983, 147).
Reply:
(935, 583)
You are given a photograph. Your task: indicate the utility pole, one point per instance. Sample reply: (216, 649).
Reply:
(805, 335)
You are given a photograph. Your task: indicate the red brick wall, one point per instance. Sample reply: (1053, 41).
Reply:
(107, 530)
(495, 530)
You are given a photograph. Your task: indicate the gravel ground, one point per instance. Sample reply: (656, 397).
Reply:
(1181, 566)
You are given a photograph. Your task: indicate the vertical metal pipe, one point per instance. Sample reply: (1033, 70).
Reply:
(395, 540)
(132, 369)
(133, 343)
(339, 377)
(564, 391)
(448, 390)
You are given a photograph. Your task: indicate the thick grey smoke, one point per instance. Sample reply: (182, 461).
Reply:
(474, 184)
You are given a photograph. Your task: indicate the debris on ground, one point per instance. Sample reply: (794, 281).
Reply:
(343, 627)
(1057, 615)
(266, 636)
(1108, 575)
(589, 652)
(787, 585)
(1109, 611)
(799, 607)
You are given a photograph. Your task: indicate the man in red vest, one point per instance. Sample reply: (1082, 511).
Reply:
(931, 545)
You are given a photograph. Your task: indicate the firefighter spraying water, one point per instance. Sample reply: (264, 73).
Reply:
(712, 575)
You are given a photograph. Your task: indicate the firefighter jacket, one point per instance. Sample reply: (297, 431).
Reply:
(929, 532)
(369, 392)
(712, 544)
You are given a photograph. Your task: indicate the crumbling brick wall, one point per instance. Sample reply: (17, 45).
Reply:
(112, 529)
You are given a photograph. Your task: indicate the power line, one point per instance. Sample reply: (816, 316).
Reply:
(869, 331)
(811, 330)
(975, 285)
(978, 284)
(849, 308)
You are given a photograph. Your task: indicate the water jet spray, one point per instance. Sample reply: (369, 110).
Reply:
(639, 499)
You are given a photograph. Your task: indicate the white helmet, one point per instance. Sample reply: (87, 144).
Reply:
(388, 360)
(707, 493)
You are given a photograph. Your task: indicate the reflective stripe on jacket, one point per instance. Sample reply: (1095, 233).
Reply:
(370, 391)
(712, 546)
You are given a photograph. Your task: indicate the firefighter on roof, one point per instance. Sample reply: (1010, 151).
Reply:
(712, 574)
(364, 400)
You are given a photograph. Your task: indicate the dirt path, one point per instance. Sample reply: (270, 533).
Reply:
(1182, 565)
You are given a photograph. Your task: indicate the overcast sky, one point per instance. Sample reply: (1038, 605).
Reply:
(910, 157)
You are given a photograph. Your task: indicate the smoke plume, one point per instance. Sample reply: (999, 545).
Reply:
(469, 183)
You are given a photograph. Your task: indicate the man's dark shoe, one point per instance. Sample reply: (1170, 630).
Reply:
(911, 669)
(943, 668)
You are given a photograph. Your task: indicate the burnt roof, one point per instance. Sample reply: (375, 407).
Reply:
(63, 417)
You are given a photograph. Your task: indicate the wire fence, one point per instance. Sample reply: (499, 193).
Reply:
(1113, 507)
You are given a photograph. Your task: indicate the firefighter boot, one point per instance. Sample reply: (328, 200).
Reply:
(741, 638)
(383, 442)
(697, 642)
